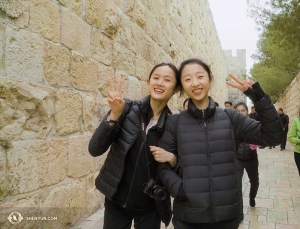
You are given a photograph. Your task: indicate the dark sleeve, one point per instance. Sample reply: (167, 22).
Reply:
(105, 134)
(265, 132)
(167, 175)
(287, 120)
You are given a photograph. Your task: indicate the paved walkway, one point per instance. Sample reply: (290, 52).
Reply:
(277, 201)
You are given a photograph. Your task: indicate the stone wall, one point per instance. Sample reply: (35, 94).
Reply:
(55, 57)
(290, 99)
(237, 66)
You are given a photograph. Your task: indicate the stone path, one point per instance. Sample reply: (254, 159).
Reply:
(277, 201)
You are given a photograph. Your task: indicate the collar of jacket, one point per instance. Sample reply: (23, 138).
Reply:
(144, 105)
(204, 113)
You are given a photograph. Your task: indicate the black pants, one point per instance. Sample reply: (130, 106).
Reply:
(227, 224)
(117, 217)
(251, 168)
(283, 143)
(297, 160)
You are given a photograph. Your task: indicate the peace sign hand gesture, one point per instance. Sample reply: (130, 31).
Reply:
(115, 100)
(241, 85)
(250, 88)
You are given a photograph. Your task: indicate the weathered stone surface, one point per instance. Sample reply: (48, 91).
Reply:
(56, 65)
(105, 16)
(104, 73)
(27, 207)
(94, 197)
(101, 47)
(27, 110)
(35, 164)
(3, 179)
(22, 48)
(80, 162)
(144, 89)
(15, 12)
(68, 112)
(102, 108)
(76, 6)
(124, 81)
(134, 88)
(123, 59)
(84, 73)
(67, 202)
(142, 66)
(88, 112)
(44, 19)
(75, 33)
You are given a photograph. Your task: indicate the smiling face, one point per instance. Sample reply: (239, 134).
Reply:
(162, 83)
(196, 83)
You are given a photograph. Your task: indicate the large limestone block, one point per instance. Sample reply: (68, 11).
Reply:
(105, 16)
(75, 6)
(56, 65)
(88, 108)
(15, 12)
(75, 33)
(84, 73)
(26, 109)
(94, 109)
(67, 202)
(26, 207)
(101, 47)
(35, 164)
(134, 88)
(44, 19)
(102, 109)
(123, 59)
(68, 112)
(24, 55)
(104, 73)
(80, 162)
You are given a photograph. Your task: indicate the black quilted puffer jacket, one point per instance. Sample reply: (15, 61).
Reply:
(206, 142)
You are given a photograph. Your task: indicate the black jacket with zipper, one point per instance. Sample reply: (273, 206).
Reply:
(206, 142)
(125, 169)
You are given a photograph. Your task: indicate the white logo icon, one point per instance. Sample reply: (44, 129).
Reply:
(15, 218)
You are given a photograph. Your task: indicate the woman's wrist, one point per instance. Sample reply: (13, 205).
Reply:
(173, 160)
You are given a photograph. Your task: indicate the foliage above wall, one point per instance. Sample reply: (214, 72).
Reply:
(277, 59)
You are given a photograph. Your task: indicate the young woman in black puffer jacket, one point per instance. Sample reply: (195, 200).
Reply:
(205, 138)
(132, 130)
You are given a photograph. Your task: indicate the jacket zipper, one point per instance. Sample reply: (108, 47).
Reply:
(209, 166)
(133, 175)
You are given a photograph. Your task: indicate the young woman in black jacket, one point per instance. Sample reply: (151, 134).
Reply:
(205, 138)
(132, 130)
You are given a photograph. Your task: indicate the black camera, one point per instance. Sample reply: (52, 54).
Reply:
(154, 190)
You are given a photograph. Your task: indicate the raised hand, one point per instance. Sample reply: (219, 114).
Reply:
(115, 100)
(241, 85)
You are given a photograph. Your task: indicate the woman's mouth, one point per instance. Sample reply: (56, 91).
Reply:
(158, 90)
(197, 91)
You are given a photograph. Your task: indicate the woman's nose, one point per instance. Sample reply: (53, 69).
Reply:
(195, 82)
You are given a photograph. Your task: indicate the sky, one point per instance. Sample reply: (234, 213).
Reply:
(235, 28)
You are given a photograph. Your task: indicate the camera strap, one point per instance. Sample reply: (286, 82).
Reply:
(144, 137)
